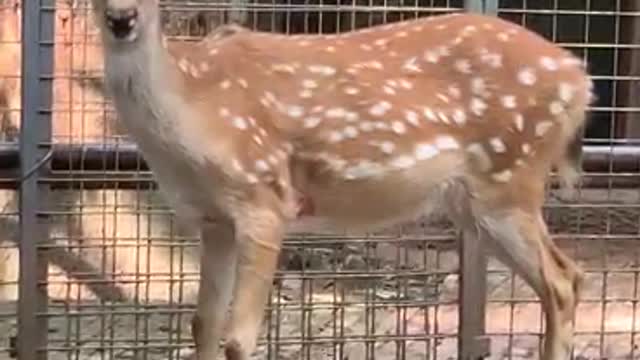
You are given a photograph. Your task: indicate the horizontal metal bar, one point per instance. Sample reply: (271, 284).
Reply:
(121, 165)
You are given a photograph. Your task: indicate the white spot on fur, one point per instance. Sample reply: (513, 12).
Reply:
(542, 127)
(556, 108)
(443, 117)
(350, 90)
(285, 68)
(364, 169)
(406, 84)
(366, 126)
(183, 64)
(526, 148)
(548, 63)
(518, 120)
(309, 84)
(237, 165)
(509, 101)
(445, 142)
(239, 123)
(463, 66)
(387, 147)
(261, 166)
(403, 162)
(242, 82)
(350, 132)
(381, 42)
(252, 179)
(494, 60)
(442, 97)
(502, 176)
(380, 108)
(351, 116)
(459, 116)
(398, 127)
(497, 145)
(425, 151)
(321, 70)
(305, 94)
(429, 114)
(527, 76)
(454, 91)
(411, 65)
(312, 122)
(335, 112)
(478, 106)
(335, 137)
(388, 90)
(431, 57)
(478, 86)
(225, 84)
(257, 139)
(204, 66)
(412, 117)
(295, 111)
(566, 91)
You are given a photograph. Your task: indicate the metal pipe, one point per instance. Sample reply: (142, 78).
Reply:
(121, 165)
(37, 94)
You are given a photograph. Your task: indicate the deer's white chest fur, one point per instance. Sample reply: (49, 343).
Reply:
(163, 128)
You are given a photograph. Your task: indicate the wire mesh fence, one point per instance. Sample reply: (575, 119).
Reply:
(113, 276)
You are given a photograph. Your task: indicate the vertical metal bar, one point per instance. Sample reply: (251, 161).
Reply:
(472, 344)
(491, 7)
(482, 6)
(474, 5)
(35, 130)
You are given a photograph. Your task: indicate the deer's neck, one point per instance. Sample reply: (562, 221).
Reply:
(145, 87)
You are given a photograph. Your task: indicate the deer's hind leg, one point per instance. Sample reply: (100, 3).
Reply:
(520, 238)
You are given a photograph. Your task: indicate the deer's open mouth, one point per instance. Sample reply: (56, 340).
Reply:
(122, 23)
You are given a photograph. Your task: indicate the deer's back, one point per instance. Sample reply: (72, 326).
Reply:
(389, 114)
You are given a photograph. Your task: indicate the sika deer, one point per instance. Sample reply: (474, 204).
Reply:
(465, 112)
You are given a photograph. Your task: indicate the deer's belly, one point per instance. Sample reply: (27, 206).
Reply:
(377, 201)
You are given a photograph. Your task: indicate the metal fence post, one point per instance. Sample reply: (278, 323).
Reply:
(35, 137)
(472, 342)
(482, 6)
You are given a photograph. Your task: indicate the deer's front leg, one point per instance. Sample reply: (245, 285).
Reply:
(259, 239)
(217, 265)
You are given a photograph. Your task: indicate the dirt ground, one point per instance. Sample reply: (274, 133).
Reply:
(395, 300)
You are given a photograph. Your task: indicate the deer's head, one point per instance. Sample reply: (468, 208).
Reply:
(125, 22)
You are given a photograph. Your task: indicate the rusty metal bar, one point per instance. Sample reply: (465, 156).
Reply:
(37, 64)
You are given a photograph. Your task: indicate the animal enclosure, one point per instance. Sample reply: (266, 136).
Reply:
(107, 273)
